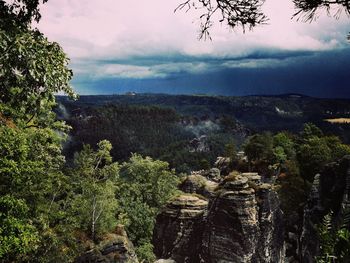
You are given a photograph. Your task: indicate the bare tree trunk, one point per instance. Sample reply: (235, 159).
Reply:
(93, 222)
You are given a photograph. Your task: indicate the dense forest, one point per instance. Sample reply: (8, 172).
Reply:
(190, 132)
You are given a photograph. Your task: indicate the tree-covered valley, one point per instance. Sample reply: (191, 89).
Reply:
(190, 132)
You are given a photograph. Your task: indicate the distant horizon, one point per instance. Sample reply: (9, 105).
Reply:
(206, 95)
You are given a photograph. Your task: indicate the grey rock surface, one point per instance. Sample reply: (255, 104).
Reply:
(114, 248)
(238, 223)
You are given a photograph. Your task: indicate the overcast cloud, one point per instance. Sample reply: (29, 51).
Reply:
(144, 40)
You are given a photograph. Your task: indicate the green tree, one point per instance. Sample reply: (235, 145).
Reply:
(230, 151)
(32, 70)
(22, 12)
(310, 130)
(314, 150)
(94, 179)
(284, 141)
(145, 186)
(312, 156)
(18, 237)
(334, 242)
(339, 150)
(31, 172)
(259, 147)
(283, 151)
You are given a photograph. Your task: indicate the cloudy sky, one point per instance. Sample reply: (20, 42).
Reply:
(117, 46)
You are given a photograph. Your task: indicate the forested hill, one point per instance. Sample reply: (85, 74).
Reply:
(189, 132)
(258, 113)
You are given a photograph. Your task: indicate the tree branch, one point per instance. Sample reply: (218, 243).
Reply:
(235, 13)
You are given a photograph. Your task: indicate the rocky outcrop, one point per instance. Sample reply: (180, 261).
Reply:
(232, 229)
(223, 164)
(198, 184)
(212, 174)
(165, 261)
(330, 192)
(179, 228)
(114, 248)
(242, 222)
(271, 246)
(199, 144)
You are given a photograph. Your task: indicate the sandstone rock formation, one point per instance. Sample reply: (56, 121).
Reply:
(198, 184)
(223, 163)
(214, 175)
(178, 231)
(271, 221)
(114, 248)
(232, 230)
(242, 222)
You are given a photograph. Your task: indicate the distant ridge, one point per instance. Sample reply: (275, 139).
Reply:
(283, 95)
(148, 94)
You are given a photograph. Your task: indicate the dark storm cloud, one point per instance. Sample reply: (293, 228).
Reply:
(151, 49)
(322, 74)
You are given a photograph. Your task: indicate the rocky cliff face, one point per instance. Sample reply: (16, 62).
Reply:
(232, 229)
(198, 184)
(271, 240)
(240, 222)
(330, 192)
(178, 232)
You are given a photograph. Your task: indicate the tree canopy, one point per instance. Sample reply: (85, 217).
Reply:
(32, 69)
(33, 218)
(21, 11)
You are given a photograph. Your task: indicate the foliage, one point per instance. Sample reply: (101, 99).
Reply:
(312, 156)
(31, 171)
(30, 164)
(231, 177)
(259, 147)
(294, 159)
(310, 131)
(146, 185)
(307, 10)
(230, 151)
(284, 142)
(238, 13)
(314, 150)
(21, 11)
(154, 182)
(41, 207)
(32, 70)
(292, 193)
(145, 252)
(133, 129)
(18, 237)
(338, 149)
(334, 243)
(245, 13)
(94, 182)
(151, 131)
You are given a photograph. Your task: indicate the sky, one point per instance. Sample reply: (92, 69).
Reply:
(116, 46)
